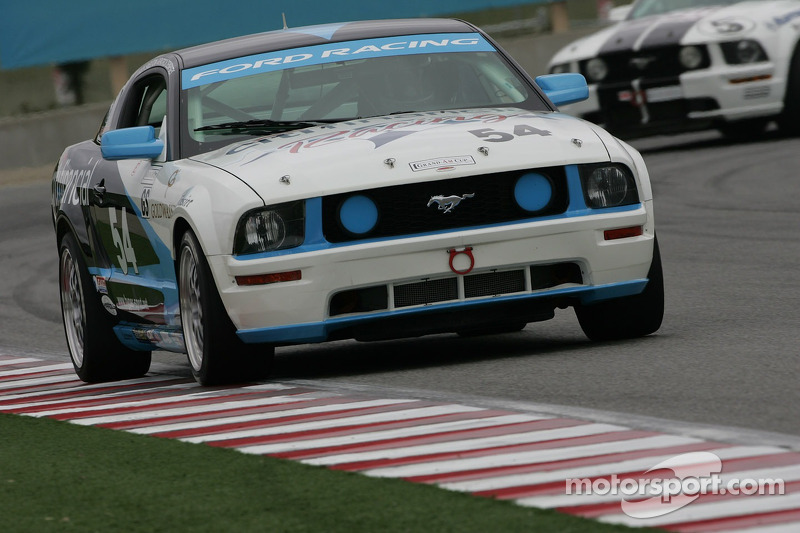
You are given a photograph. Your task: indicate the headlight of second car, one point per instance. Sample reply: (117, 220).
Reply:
(743, 52)
(691, 57)
(271, 228)
(595, 70)
(608, 185)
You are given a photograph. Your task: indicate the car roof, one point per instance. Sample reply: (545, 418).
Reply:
(312, 35)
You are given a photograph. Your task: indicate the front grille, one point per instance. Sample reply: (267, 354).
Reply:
(404, 209)
(651, 63)
(494, 283)
(426, 292)
(477, 285)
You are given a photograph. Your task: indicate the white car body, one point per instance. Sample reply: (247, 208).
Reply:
(221, 240)
(647, 90)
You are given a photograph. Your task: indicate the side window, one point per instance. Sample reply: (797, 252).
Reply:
(146, 104)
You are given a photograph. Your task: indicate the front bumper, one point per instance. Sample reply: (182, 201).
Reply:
(301, 311)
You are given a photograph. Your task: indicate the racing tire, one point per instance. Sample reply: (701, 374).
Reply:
(789, 120)
(744, 130)
(216, 354)
(96, 352)
(631, 316)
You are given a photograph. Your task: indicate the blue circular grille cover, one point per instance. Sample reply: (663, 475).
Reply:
(358, 214)
(533, 192)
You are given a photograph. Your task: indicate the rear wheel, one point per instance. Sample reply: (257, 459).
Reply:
(631, 316)
(216, 353)
(96, 352)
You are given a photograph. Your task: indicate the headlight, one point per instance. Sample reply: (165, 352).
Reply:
(743, 52)
(559, 69)
(596, 70)
(608, 186)
(691, 57)
(271, 228)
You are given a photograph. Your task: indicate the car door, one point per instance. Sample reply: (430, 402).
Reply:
(140, 280)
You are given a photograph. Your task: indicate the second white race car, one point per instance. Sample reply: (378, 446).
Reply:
(682, 65)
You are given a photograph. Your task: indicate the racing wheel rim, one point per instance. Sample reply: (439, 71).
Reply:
(191, 308)
(72, 307)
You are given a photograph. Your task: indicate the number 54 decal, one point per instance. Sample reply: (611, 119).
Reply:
(123, 243)
(520, 130)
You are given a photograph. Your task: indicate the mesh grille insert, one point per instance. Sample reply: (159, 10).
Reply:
(493, 283)
(425, 292)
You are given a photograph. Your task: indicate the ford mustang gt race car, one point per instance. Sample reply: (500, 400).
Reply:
(367, 180)
(681, 65)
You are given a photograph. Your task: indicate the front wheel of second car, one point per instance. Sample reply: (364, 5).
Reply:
(96, 352)
(216, 353)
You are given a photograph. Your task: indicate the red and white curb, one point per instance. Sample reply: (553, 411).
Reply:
(498, 453)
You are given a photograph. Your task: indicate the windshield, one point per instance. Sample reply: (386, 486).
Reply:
(646, 8)
(303, 87)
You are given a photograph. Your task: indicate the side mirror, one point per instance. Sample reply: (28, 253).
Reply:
(565, 88)
(131, 143)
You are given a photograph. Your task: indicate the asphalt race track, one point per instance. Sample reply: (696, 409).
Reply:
(727, 355)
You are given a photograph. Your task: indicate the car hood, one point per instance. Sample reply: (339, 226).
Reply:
(397, 149)
(688, 26)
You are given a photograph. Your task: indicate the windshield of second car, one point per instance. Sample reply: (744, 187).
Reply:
(302, 87)
(646, 8)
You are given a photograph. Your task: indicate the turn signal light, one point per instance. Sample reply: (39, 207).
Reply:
(266, 279)
(622, 233)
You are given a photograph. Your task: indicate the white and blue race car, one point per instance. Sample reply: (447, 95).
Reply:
(681, 65)
(367, 180)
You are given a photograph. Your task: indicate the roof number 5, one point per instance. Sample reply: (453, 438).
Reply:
(520, 130)
(123, 243)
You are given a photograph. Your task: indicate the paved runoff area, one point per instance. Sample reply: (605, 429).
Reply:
(608, 472)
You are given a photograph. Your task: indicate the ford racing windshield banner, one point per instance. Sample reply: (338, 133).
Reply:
(332, 53)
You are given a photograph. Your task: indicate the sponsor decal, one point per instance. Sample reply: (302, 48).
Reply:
(185, 200)
(786, 19)
(108, 305)
(173, 178)
(726, 26)
(153, 209)
(332, 53)
(100, 284)
(72, 184)
(442, 163)
(382, 133)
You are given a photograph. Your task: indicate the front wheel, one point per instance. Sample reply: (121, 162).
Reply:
(216, 353)
(96, 352)
(789, 120)
(631, 316)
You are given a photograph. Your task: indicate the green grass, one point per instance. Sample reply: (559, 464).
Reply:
(56, 476)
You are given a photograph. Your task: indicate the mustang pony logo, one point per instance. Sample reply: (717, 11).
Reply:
(448, 203)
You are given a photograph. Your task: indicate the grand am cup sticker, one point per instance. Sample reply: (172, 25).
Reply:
(442, 163)
(108, 305)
